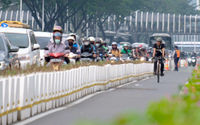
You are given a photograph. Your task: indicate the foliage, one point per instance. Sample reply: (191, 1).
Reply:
(92, 12)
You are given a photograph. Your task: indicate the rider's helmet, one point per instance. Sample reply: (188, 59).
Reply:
(73, 35)
(114, 45)
(57, 29)
(70, 40)
(91, 40)
(85, 41)
(125, 46)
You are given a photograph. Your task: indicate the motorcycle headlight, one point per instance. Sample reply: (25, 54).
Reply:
(142, 59)
(193, 60)
(2, 65)
(189, 59)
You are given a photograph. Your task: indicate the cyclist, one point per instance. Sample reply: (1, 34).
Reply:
(159, 51)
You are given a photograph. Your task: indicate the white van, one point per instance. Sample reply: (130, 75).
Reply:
(43, 38)
(23, 38)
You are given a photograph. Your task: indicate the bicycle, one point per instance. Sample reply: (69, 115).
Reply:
(159, 61)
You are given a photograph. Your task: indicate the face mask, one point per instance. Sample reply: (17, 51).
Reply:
(70, 44)
(57, 41)
(97, 45)
(114, 46)
(86, 43)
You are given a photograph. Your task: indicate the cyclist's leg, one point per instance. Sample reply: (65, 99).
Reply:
(155, 67)
(162, 68)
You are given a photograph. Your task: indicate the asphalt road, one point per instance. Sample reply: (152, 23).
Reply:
(107, 105)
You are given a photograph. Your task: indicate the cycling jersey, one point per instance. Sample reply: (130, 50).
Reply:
(158, 49)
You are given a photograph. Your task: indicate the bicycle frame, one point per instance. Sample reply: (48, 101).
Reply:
(159, 61)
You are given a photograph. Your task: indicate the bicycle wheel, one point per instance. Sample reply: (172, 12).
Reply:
(158, 72)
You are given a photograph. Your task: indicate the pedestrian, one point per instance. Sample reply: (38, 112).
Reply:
(176, 57)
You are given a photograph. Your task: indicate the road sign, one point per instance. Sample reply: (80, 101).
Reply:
(4, 25)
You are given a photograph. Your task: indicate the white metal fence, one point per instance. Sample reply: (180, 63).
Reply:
(24, 96)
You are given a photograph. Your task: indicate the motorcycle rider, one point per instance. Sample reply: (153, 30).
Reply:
(75, 40)
(92, 40)
(100, 48)
(159, 51)
(56, 45)
(126, 50)
(104, 45)
(115, 51)
(136, 53)
(73, 49)
(88, 47)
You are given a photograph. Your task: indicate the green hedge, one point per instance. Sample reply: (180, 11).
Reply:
(34, 68)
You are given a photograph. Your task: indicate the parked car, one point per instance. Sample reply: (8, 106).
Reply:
(23, 38)
(7, 57)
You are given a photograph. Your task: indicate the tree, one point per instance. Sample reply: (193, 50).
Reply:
(55, 10)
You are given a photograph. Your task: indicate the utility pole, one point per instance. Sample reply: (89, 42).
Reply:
(42, 15)
(20, 8)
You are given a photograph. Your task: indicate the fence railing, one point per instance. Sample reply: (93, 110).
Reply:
(27, 95)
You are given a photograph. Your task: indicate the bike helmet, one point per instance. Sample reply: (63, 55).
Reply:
(159, 39)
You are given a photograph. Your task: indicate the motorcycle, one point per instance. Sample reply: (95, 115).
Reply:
(86, 57)
(100, 57)
(194, 61)
(125, 57)
(113, 59)
(56, 60)
(72, 57)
